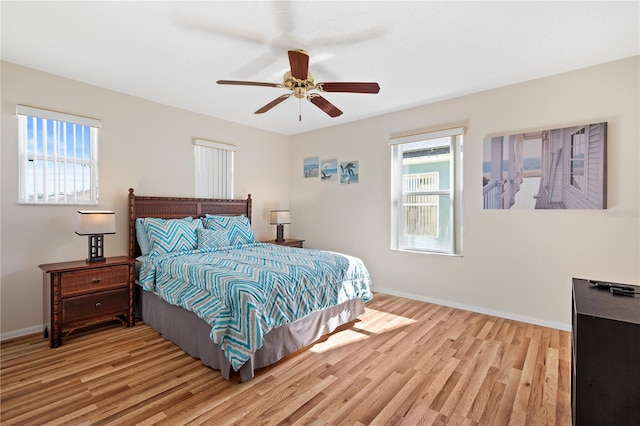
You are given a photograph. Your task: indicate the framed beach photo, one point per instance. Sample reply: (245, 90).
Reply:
(349, 172)
(311, 167)
(547, 169)
(329, 170)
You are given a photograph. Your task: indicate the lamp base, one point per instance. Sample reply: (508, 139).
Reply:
(96, 249)
(280, 233)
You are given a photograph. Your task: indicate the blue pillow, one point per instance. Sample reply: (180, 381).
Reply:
(143, 238)
(209, 238)
(169, 235)
(237, 228)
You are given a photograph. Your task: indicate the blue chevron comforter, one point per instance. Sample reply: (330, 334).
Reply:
(245, 291)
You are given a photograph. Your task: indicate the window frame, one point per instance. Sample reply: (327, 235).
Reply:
(456, 136)
(60, 159)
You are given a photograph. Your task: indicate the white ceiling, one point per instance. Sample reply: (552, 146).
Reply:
(419, 52)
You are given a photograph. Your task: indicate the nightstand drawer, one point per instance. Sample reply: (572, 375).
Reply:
(92, 280)
(95, 306)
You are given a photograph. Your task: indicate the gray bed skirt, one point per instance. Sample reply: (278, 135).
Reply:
(191, 333)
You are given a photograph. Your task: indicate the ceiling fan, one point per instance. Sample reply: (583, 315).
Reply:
(301, 81)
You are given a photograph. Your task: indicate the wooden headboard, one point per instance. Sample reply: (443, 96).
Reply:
(177, 208)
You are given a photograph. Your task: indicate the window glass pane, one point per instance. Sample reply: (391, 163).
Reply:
(420, 211)
(427, 224)
(578, 151)
(49, 191)
(433, 160)
(30, 186)
(426, 174)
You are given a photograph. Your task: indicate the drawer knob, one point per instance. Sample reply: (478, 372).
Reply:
(98, 304)
(96, 280)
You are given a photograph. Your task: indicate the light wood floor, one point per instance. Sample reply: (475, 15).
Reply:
(406, 362)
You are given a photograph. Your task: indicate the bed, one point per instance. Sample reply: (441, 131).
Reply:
(234, 303)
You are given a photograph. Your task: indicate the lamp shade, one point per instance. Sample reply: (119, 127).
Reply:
(95, 222)
(279, 217)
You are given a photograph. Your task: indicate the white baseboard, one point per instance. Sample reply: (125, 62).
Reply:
(22, 332)
(478, 309)
(508, 315)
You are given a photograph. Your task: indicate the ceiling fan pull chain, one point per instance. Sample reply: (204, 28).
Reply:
(300, 109)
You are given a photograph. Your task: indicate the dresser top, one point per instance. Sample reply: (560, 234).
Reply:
(75, 265)
(598, 302)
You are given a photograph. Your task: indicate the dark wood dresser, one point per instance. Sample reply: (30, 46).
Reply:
(79, 293)
(605, 369)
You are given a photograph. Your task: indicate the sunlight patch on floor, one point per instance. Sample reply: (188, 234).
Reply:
(363, 329)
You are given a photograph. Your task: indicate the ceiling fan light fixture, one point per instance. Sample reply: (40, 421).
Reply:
(299, 92)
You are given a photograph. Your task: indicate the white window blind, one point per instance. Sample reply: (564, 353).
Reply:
(58, 157)
(214, 169)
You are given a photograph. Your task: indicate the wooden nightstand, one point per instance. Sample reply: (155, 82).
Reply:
(287, 242)
(79, 293)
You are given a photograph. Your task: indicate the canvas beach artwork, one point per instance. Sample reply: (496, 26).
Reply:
(562, 168)
(311, 167)
(329, 170)
(349, 172)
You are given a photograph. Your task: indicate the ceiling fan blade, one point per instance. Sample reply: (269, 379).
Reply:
(349, 87)
(249, 83)
(299, 61)
(273, 103)
(324, 105)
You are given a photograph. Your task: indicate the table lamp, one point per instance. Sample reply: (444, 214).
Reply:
(95, 224)
(280, 218)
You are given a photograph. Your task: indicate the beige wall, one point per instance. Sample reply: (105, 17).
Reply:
(516, 264)
(143, 145)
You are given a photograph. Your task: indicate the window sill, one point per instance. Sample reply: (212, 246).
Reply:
(439, 253)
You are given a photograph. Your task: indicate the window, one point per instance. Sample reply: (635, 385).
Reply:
(58, 156)
(577, 165)
(214, 169)
(426, 189)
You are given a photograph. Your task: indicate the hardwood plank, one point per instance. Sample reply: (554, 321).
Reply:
(405, 362)
(479, 365)
(394, 411)
(547, 413)
(482, 397)
(521, 402)
(505, 409)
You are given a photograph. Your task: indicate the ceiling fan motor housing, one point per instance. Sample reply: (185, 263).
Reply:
(299, 87)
